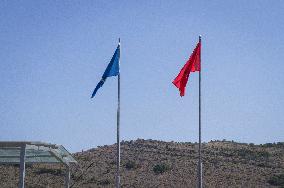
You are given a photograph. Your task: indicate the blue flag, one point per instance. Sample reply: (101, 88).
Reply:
(111, 70)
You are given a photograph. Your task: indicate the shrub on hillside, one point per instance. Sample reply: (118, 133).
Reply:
(268, 145)
(277, 180)
(251, 144)
(280, 144)
(253, 155)
(103, 182)
(161, 168)
(131, 165)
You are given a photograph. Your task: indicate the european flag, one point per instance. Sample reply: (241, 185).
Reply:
(111, 70)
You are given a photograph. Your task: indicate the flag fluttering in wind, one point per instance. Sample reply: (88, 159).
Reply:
(192, 65)
(111, 70)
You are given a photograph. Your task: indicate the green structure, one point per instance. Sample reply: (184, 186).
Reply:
(23, 153)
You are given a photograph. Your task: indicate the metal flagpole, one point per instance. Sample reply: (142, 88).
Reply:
(199, 145)
(22, 166)
(117, 128)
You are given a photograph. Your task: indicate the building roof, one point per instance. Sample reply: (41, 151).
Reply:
(36, 152)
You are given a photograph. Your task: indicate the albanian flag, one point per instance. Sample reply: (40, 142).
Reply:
(193, 64)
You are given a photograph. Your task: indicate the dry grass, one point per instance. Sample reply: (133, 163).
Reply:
(149, 163)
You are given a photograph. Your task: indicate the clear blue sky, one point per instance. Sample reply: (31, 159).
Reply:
(53, 53)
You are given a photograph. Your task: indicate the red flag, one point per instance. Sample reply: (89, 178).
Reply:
(193, 64)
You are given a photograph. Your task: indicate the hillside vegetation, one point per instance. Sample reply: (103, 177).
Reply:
(149, 163)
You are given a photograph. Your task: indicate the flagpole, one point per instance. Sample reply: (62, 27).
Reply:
(199, 145)
(117, 128)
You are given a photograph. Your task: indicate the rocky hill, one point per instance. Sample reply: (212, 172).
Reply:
(149, 163)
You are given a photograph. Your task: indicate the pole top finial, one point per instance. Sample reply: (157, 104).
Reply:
(119, 40)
